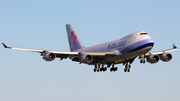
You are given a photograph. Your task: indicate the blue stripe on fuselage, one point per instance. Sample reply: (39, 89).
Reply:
(141, 47)
(138, 46)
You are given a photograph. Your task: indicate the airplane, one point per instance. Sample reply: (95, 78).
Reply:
(121, 51)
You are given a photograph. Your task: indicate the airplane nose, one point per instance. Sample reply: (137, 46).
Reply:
(151, 42)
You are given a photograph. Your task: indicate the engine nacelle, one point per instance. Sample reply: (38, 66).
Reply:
(49, 56)
(153, 59)
(86, 58)
(166, 57)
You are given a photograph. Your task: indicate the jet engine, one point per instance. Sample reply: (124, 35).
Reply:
(85, 58)
(48, 56)
(153, 59)
(166, 57)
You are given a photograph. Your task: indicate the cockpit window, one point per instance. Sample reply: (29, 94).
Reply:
(143, 34)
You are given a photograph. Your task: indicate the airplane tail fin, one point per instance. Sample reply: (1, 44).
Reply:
(74, 42)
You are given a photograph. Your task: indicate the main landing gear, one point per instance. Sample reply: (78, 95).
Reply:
(113, 68)
(97, 68)
(103, 69)
(127, 67)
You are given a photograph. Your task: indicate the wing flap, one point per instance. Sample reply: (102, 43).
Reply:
(100, 53)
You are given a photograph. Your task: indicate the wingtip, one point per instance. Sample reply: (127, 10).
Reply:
(174, 46)
(4, 45)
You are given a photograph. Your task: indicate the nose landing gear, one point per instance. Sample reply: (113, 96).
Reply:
(143, 58)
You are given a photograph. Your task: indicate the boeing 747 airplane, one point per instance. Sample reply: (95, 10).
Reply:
(121, 51)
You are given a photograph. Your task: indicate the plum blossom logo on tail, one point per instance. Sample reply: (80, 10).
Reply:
(72, 40)
(109, 46)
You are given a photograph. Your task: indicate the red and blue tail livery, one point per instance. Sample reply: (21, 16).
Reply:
(74, 42)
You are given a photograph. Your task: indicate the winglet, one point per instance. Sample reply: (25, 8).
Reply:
(174, 46)
(5, 46)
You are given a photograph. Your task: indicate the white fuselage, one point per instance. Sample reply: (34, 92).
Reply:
(128, 47)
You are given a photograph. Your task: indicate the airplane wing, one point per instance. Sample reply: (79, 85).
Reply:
(42, 51)
(62, 54)
(162, 52)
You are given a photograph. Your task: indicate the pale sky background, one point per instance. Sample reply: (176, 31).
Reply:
(40, 24)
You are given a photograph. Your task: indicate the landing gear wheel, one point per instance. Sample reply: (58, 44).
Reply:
(94, 69)
(104, 69)
(111, 69)
(101, 69)
(116, 68)
(97, 70)
(142, 61)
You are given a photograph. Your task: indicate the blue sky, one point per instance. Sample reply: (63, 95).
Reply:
(40, 24)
